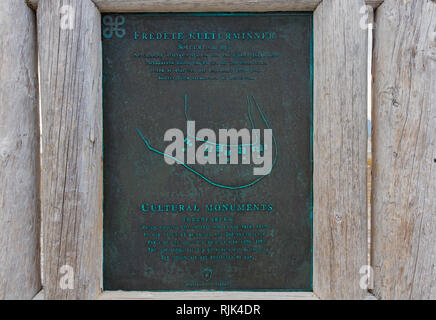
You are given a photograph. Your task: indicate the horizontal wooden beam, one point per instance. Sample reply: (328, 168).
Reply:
(205, 6)
(202, 295)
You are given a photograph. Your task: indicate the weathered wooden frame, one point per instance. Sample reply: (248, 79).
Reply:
(70, 64)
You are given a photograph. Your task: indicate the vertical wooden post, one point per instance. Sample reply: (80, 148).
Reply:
(19, 153)
(69, 42)
(404, 150)
(340, 149)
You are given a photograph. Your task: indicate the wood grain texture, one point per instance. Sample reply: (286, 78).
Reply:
(404, 150)
(201, 295)
(204, 6)
(19, 153)
(204, 295)
(71, 112)
(340, 149)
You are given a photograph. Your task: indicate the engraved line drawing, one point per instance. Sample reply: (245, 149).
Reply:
(208, 180)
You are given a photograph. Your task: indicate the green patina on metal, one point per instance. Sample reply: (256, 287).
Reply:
(255, 237)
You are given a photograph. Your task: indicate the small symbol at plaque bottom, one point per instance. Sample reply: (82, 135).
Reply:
(207, 274)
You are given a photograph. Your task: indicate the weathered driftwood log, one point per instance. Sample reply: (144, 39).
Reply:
(404, 150)
(71, 111)
(340, 149)
(19, 153)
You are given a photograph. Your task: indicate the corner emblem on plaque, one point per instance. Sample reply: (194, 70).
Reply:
(113, 26)
(207, 274)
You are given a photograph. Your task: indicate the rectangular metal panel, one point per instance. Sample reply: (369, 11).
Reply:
(213, 226)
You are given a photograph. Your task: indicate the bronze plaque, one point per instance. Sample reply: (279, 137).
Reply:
(194, 226)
